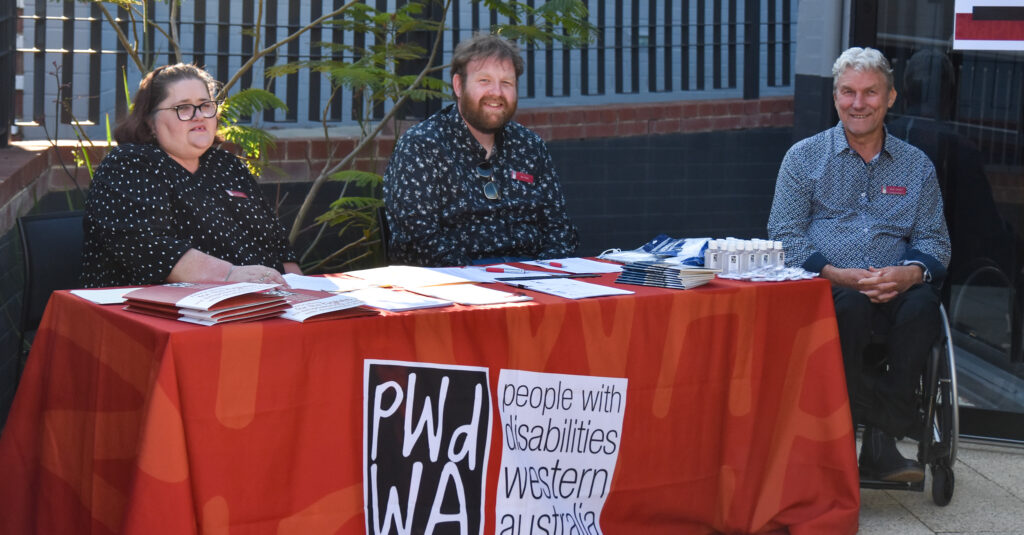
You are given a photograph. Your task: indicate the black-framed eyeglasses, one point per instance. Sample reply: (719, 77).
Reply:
(186, 112)
(491, 190)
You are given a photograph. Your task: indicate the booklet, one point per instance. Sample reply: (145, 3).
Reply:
(200, 317)
(203, 295)
(312, 305)
(665, 275)
(207, 303)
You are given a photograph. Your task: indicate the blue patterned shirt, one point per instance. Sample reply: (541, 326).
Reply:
(832, 208)
(436, 207)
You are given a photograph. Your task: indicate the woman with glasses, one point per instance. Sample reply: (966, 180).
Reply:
(165, 205)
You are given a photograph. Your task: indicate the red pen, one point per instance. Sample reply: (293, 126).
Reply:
(504, 270)
(555, 264)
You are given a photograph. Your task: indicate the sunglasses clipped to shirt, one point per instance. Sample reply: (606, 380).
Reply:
(491, 190)
(186, 112)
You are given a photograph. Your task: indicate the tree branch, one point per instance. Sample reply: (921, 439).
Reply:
(258, 55)
(132, 51)
(148, 22)
(314, 188)
(174, 30)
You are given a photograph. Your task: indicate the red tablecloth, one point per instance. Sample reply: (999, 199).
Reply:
(735, 419)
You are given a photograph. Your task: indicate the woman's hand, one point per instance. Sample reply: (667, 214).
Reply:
(261, 274)
(197, 266)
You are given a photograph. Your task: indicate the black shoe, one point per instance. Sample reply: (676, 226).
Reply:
(880, 460)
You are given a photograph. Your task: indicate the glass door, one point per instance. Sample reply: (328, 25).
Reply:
(964, 109)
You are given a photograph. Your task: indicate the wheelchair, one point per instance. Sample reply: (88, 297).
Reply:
(940, 419)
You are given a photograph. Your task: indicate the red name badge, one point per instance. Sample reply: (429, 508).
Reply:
(894, 190)
(522, 177)
(236, 193)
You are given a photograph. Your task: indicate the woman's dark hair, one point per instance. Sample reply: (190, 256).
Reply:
(152, 91)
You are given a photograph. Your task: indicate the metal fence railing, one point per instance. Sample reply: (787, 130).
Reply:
(644, 50)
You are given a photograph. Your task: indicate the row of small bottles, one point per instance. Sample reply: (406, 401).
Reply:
(740, 256)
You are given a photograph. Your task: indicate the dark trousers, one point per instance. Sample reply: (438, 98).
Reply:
(912, 323)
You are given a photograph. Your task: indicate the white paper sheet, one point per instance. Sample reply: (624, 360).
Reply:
(577, 265)
(470, 294)
(104, 296)
(480, 273)
(327, 283)
(396, 300)
(568, 288)
(406, 276)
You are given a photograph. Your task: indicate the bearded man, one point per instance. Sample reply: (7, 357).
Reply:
(470, 186)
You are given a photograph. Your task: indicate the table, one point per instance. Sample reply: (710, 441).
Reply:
(735, 416)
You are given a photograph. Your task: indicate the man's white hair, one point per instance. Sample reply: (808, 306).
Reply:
(861, 59)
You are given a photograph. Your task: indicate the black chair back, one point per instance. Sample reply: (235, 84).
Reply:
(385, 233)
(52, 247)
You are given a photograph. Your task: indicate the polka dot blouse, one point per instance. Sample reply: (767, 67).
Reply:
(144, 211)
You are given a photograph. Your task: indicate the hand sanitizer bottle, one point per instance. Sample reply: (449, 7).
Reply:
(764, 255)
(732, 260)
(713, 255)
(778, 255)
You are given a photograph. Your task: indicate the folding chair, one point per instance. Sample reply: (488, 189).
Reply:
(52, 248)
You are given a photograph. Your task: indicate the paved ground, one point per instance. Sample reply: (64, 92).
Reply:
(988, 498)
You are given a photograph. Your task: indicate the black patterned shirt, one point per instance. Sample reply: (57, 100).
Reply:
(145, 211)
(831, 207)
(435, 202)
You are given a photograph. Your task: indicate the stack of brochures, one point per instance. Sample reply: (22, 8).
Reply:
(665, 275)
(212, 303)
(207, 303)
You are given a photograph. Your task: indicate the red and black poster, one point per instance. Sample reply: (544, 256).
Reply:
(988, 25)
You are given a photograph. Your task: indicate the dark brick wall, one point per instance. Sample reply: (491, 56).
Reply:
(622, 192)
(10, 303)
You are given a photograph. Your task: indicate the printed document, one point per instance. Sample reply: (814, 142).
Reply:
(568, 288)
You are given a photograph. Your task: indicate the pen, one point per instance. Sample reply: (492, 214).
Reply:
(504, 270)
(572, 276)
(555, 264)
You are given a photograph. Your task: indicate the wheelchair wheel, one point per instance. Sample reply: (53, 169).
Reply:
(947, 410)
(942, 484)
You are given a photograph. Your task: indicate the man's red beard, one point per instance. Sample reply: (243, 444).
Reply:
(483, 119)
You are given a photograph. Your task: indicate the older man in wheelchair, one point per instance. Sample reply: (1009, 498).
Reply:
(863, 208)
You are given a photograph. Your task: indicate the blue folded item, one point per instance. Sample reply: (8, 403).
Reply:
(685, 251)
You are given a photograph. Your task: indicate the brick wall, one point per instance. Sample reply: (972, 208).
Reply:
(650, 119)
(299, 159)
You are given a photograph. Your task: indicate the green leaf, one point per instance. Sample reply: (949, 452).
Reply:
(357, 76)
(357, 177)
(127, 93)
(253, 141)
(249, 102)
(357, 203)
